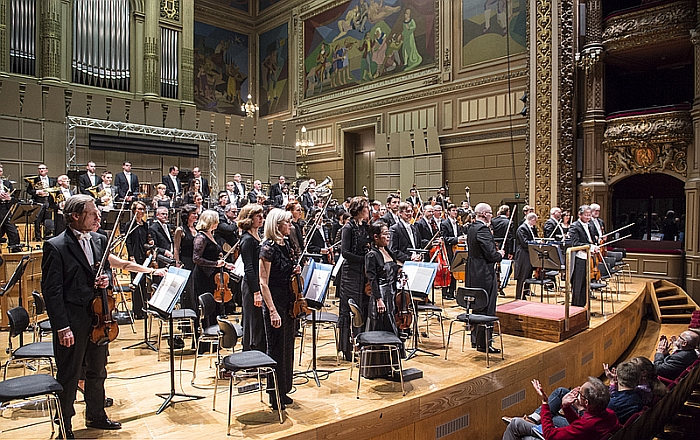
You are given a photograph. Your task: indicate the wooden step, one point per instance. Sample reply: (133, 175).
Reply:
(678, 307)
(678, 316)
(672, 298)
(664, 289)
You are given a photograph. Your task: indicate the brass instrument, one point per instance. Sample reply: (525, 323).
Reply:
(56, 193)
(36, 185)
(4, 189)
(93, 190)
(99, 194)
(324, 188)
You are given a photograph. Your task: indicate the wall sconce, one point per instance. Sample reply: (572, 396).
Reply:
(303, 144)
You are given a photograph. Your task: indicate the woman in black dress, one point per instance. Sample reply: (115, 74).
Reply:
(208, 259)
(296, 233)
(161, 199)
(193, 192)
(136, 237)
(183, 250)
(354, 244)
(277, 296)
(250, 219)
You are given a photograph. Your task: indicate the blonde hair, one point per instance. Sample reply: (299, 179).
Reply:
(274, 217)
(207, 219)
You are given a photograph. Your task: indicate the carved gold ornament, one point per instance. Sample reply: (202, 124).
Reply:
(170, 9)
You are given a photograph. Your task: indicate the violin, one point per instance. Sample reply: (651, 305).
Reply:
(300, 307)
(222, 293)
(404, 306)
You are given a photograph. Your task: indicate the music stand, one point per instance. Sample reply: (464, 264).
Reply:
(110, 219)
(420, 277)
(459, 262)
(544, 256)
(134, 285)
(316, 281)
(16, 278)
(29, 213)
(163, 302)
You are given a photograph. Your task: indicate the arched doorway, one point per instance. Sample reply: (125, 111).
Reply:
(645, 199)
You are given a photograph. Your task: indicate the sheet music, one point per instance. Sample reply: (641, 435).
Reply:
(420, 276)
(318, 283)
(169, 290)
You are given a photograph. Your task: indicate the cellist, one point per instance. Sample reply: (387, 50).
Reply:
(450, 232)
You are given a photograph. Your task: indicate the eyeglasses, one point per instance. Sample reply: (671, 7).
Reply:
(682, 338)
(42, 168)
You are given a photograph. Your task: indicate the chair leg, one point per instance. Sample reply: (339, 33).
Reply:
(359, 373)
(59, 413)
(398, 356)
(442, 329)
(194, 368)
(216, 388)
(230, 402)
(277, 395)
(449, 335)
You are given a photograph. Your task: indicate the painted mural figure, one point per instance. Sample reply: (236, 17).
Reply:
(270, 73)
(366, 63)
(500, 7)
(378, 11)
(379, 47)
(393, 54)
(411, 56)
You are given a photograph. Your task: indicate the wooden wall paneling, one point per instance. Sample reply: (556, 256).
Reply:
(262, 131)
(405, 144)
(137, 112)
(394, 145)
(433, 141)
(380, 421)
(234, 129)
(248, 134)
(420, 146)
(204, 122)
(32, 107)
(172, 117)
(98, 108)
(189, 118)
(118, 110)
(154, 114)
(261, 162)
(9, 96)
(407, 175)
(277, 134)
(380, 146)
(55, 104)
(219, 125)
(10, 151)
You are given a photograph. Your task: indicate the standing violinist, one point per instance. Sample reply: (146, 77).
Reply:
(581, 233)
(597, 223)
(277, 295)
(183, 252)
(404, 236)
(250, 219)
(450, 231)
(137, 236)
(208, 260)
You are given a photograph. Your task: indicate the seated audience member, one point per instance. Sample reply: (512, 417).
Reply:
(597, 421)
(650, 386)
(671, 365)
(625, 399)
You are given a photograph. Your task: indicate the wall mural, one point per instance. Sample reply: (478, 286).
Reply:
(241, 5)
(221, 69)
(492, 29)
(274, 70)
(361, 41)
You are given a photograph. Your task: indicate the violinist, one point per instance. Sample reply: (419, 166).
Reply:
(597, 223)
(354, 244)
(6, 202)
(581, 233)
(427, 226)
(183, 251)
(450, 231)
(404, 236)
(392, 210)
(552, 227)
(276, 269)
(499, 224)
(381, 269)
(375, 210)
(318, 244)
(136, 238)
(296, 234)
(414, 198)
(481, 270)
(208, 260)
(523, 268)
(250, 219)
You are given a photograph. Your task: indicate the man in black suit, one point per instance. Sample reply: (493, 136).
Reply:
(256, 192)
(450, 232)
(499, 224)
(481, 269)
(581, 234)
(160, 233)
(65, 194)
(552, 227)
(308, 199)
(281, 199)
(7, 199)
(173, 186)
(69, 283)
(671, 366)
(392, 209)
(413, 199)
(596, 222)
(227, 231)
(37, 191)
(427, 226)
(239, 190)
(523, 268)
(318, 243)
(203, 182)
(276, 189)
(404, 236)
(89, 179)
(126, 182)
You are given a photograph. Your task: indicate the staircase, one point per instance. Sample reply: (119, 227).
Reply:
(670, 303)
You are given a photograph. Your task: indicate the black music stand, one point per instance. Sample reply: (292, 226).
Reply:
(545, 257)
(110, 219)
(16, 278)
(316, 282)
(29, 213)
(419, 278)
(163, 302)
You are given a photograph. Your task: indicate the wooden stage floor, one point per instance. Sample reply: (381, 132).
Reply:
(459, 395)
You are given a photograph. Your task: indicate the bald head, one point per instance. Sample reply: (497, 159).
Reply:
(688, 340)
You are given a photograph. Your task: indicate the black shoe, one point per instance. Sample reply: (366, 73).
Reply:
(273, 401)
(492, 350)
(103, 424)
(347, 355)
(108, 402)
(69, 434)
(448, 297)
(285, 399)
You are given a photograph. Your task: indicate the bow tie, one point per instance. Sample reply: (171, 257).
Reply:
(83, 236)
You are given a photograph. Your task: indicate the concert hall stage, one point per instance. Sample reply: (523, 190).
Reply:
(455, 399)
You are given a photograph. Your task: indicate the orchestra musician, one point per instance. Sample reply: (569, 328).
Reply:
(308, 199)
(161, 198)
(66, 193)
(552, 227)
(232, 197)
(250, 219)
(160, 233)
(450, 232)
(481, 270)
(414, 199)
(68, 284)
(106, 192)
(173, 186)
(276, 269)
(36, 189)
(256, 192)
(137, 237)
(239, 190)
(89, 179)
(523, 268)
(499, 224)
(183, 251)
(276, 189)
(6, 201)
(375, 211)
(318, 244)
(203, 182)
(392, 209)
(581, 233)
(354, 245)
(296, 234)
(427, 226)
(404, 236)
(195, 189)
(126, 181)
(282, 199)
(597, 222)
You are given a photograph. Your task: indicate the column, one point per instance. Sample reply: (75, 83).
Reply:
(692, 188)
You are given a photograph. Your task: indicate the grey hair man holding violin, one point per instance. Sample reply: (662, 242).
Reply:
(69, 284)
